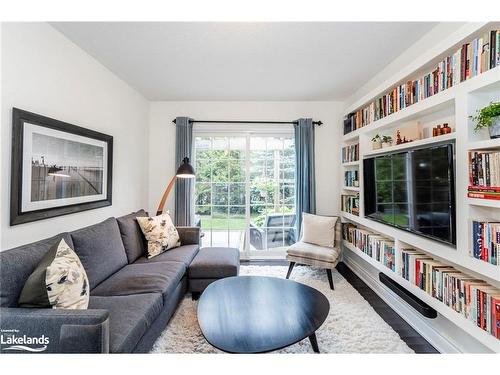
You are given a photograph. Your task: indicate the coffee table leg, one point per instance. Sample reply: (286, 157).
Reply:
(314, 343)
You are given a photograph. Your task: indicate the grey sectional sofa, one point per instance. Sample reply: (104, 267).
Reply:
(131, 300)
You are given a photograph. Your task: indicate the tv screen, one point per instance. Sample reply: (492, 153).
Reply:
(413, 190)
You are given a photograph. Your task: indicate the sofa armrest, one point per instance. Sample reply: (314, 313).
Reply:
(61, 331)
(189, 235)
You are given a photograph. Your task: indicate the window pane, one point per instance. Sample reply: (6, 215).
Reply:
(203, 170)
(237, 170)
(257, 148)
(237, 147)
(203, 194)
(220, 170)
(237, 194)
(220, 194)
(203, 146)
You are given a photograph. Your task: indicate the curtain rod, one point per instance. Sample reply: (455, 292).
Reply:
(319, 123)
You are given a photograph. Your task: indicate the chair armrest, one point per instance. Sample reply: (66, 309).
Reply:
(189, 235)
(61, 331)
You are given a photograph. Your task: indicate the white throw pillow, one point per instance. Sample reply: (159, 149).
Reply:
(319, 230)
(160, 233)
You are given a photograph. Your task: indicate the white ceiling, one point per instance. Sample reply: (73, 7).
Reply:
(244, 61)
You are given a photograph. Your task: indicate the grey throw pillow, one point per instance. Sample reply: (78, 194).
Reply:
(59, 281)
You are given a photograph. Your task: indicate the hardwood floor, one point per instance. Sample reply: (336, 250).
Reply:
(411, 337)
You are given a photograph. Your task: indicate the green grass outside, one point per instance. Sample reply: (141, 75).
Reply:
(400, 220)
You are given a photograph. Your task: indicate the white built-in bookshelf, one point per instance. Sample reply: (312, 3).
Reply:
(453, 106)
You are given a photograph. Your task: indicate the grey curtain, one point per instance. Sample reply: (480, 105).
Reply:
(305, 182)
(184, 187)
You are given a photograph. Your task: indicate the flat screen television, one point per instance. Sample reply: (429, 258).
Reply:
(414, 191)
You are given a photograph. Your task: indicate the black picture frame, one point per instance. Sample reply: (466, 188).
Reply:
(17, 215)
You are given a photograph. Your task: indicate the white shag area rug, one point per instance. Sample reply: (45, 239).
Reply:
(351, 327)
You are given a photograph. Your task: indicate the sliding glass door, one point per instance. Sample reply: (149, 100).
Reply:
(245, 192)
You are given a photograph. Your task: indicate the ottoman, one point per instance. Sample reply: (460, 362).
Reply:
(211, 264)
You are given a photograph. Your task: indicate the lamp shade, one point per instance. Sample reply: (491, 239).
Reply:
(185, 170)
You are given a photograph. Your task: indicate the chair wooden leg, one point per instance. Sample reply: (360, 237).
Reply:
(330, 278)
(290, 268)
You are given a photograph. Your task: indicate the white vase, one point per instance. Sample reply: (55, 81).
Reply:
(386, 144)
(376, 145)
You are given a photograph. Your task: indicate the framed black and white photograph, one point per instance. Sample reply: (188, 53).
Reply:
(57, 168)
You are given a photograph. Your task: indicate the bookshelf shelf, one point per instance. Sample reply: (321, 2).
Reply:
(351, 188)
(484, 202)
(483, 336)
(404, 146)
(487, 144)
(351, 164)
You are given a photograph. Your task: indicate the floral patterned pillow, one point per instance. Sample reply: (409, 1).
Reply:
(160, 233)
(59, 281)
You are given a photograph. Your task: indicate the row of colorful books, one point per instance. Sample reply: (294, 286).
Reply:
(374, 245)
(351, 178)
(350, 153)
(350, 203)
(484, 174)
(486, 241)
(471, 59)
(475, 299)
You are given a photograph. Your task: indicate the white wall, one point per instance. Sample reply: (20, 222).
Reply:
(45, 73)
(162, 140)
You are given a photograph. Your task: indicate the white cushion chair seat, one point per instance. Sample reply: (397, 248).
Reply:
(314, 252)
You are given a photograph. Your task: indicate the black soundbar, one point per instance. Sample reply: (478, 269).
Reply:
(408, 297)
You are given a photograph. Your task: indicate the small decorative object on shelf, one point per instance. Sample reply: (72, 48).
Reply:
(484, 174)
(405, 134)
(488, 117)
(386, 141)
(399, 140)
(376, 142)
(474, 299)
(438, 130)
(486, 241)
(471, 59)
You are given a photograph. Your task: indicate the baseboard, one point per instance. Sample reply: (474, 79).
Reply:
(440, 332)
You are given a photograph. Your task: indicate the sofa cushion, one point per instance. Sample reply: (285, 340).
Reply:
(160, 233)
(100, 249)
(19, 263)
(159, 277)
(215, 263)
(315, 252)
(183, 254)
(59, 281)
(134, 242)
(129, 318)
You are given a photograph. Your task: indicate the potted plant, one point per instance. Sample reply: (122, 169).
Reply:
(376, 142)
(386, 141)
(488, 117)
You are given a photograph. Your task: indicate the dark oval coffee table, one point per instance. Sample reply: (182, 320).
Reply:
(254, 314)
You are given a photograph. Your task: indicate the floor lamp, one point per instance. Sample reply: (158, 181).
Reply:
(185, 170)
